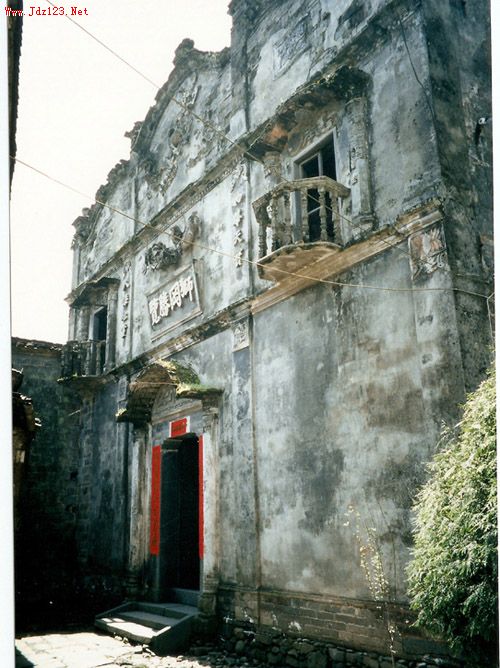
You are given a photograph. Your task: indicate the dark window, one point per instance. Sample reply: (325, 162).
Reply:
(99, 334)
(320, 163)
(100, 324)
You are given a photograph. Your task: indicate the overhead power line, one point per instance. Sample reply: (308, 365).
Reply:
(209, 124)
(197, 244)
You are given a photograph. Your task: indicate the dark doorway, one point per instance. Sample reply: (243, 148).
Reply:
(100, 324)
(99, 333)
(179, 552)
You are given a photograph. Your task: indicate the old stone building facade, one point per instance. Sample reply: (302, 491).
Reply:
(277, 301)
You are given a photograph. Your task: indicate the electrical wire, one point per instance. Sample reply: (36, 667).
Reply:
(197, 244)
(211, 126)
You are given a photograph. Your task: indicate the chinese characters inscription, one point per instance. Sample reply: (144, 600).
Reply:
(163, 305)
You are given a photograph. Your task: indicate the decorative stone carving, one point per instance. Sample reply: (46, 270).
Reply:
(487, 255)
(291, 45)
(159, 256)
(238, 189)
(159, 177)
(211, 141)
(427, 252)
(191, 231)
(238, 174)
(83, 227)
(134, 133)
(241, 337)
(125, 287)
(272, 168)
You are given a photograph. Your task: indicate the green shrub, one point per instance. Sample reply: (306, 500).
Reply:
(453, 575)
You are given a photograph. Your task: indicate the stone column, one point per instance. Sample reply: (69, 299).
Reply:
(72, 323)
(359, 166)
(210, 569)
(76, 265)
(111, 327)
(138, 507)
(82, 323)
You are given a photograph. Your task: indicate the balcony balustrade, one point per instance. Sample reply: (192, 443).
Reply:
(83, 359)
(304, 211)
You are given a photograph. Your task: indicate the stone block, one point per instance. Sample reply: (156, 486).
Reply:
(304, 647)
(274, 659)
(240, 647)
(370, 661)
(336, 654)
(317, 660)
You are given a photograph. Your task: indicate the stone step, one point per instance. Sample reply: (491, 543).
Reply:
(128, 629)
(165, 627)
(150, 619)
(177, 610)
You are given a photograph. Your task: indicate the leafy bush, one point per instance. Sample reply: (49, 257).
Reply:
(453, 575)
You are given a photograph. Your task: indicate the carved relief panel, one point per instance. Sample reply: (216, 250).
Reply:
(427, 252)
(160, 256)
(160, 167)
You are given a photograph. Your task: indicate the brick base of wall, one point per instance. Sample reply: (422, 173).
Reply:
(312, 631)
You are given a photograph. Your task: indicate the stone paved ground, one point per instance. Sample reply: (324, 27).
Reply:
(90, 649)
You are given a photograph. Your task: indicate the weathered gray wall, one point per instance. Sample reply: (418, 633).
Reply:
(103, 493)
(332, 398)
(347, 411)
(45, 544)
(460, 80)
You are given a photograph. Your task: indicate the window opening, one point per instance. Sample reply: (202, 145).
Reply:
(99, 330)
(320, 163)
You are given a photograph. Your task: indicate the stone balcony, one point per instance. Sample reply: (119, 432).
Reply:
(299, 224)
(83, 361)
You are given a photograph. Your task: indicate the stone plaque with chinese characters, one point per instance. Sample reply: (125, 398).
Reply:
(174, 303)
